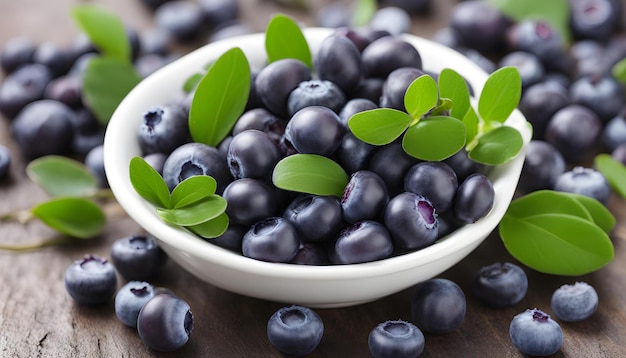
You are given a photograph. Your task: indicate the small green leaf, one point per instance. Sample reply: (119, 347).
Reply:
(379, 126)
(310, 173)
(556, 243)
(613, 171)
(542, 202)
(452, 85)
(284, 39)
(196, 213)
(497, 146)
(76, 217)
(600, 214)
(192, 82)
(619, 71)
(105, 84)
(220, 98)
(105, 30)
(191, 190)
(500, 95)
(470, 120)
(421, 96)
(59, 175)
(434, 138)
(363, 12)
(148, 183)
(212, 228)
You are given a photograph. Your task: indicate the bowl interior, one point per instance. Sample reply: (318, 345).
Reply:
(166, 84)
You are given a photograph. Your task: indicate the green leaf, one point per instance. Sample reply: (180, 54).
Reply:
(105, 30)
(556, 243)
(600, 214)
(310, 173)
(196, 213)
(220, 98)
(421, 96)
(500, 95)
(554, 12)
(619, 71)
(363, 12)
(452, 85)
(191, 190)
(76, 217)
(613, 171)
(470, 120)
(379, 126)
(434, 138)
(59, 175)
(497, 146)
(105, 84)
(542, 202)
(148, 183)
(284, 39)
(212, 228)
(192, 82)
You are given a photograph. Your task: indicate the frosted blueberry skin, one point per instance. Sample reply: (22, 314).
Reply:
(314, 130)
(138, 257)
(273, 239)
(363, 241)
(196, 159)
(315, 93)
(412, 221)
(364, 198)
(163, 129)
(535, 333)
(585, 181)
(602, 94)
(438, 306)
(500, 284)
(252, 154)
(391, 163)
(129, 300)
(435, 180)
(543, 164)
(614, 132)
(91, 280)
(5, 162)
(474, 199)
(573, 303)
(295, 330)
(574, 130)
(165, 323)
(396, 339)
(316, 217)
(596, 20)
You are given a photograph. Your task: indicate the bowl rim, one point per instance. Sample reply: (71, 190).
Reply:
(505, 176)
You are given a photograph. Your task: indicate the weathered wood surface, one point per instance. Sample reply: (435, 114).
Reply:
(38, 318)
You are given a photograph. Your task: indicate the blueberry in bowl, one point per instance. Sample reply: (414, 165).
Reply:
(332, 285)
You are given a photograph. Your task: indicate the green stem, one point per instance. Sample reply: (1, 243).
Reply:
(102, 194)
(36, 244)
(20, 216)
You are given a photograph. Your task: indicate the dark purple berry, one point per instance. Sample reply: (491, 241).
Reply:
(138, 257)
(165, 323)
(91, 280)
(500, 284)
(363, 241)
(438, 306)
(412, 221)
(130, 299)
(394, 339)
(295, 330)
(163, 129)
(272, 239)
(364, 198)
(474, 199)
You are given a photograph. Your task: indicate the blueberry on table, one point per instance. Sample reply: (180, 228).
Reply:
(130, 299)
(5, 162)
(501, 284)
(396, 339)
(94, 160)
(435, 180)
(138, 257)
(165, 323)
(53, 56)
(163, 128)
(363, 241)
(91, 280)
(23, 86)
(573, 303)
(295, 330)
(438, 306)
(543, 164)
(412, 221)
(16, 52)
(316, 217)
(535, 333)
(182, 20)
(614, 132)
(252, 154)
(474, 199)
(392, 19)
(585, 181)
(273, 239)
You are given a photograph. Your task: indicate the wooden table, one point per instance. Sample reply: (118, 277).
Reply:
(38, 318)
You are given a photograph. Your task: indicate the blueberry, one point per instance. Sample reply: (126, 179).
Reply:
(43, 127)
(435, 180)
(16, 52)
(94, 160)
(354, 106)
(501, 284)
(438, 306)
(218, 13)
(535, 333)
(619, 153)
(614, 132)
(156, 160)
(462, 165)
(272, 239)
(474, 198)
(315, 93)
(541, 39)
(83, 143)
(180, 19)
(54, 57)
(263, 120)
(310, 253)
(138, 257)
(250, 200)
(274, 82)
(602, 94)
(585, 181)
(389, 53)
(574, 130)
(529, 66)
(91, 280)
(196, 159)
(540, 101)
(479, 25)
(391, 163)
(295, 330)
(231, 238)
(155, 41)
(369, 88)
(354, 154)
(543, 164)
(363, 241)
(395, 87)
(5, 162)
(411, 220)
(314, 130)
(596, 19)
(129, 300)
(396, 339)
(23, 86)
(364, 198)
(414, 7)
(252, 154)
(165, 323)
(316, 217)
(573, 303)
(147, 64)
(66, 89)
(163, 129)
(338, 60)
(392, 19)
(334, 15)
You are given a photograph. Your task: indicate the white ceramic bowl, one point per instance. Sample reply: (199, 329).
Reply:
(313, 286)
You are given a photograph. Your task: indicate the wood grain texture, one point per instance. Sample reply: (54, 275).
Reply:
(39, 319)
